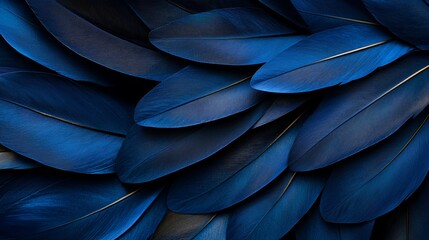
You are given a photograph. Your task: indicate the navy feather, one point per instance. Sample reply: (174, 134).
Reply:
(195, 6)
(286, 10)
(196, 95)
(406, 19)
(44, 205)
(323, 15)
(234, 174)
(313, 226)
(148, 153)
(367, 111)
(90, 41)
(11, 160)
(397, 165)
(231, 36)
(275, 210)
(353, 51)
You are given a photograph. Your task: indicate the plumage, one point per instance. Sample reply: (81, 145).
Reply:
(353, 51)
(361, 114)
(45, 205)
(197, 227)
(194, 6)
(286, 10)
(90, 41)
(11, 160)
(313, 226)
(323, 15)
(252, 38)
(407, 20)
(233, 174)
(11, 61)
(65, 128)
(275, 210)
(352, 193)
(196, 95)
(148, 153)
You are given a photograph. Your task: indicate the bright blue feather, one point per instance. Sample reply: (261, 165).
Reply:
(44, 205)
(361, 114)
(323, 15)
(11, 160)
(406, 19)
(286, 10)
(313, 226)
(377, 180)
(231, 36)
(148, 153)
(275, 210)
(234, 174)
(196, 95)
(91, 42)
(332, 57)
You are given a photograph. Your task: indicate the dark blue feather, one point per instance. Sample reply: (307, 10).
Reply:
(196, 95)
(102, 47)
(406, 19)
(286, 10)
(313, 226)
(377, 180)
(44, 205)
(195, 6)
(148, 153)
(195, 227)
(275, 210)
(18, 24)
(11, 160)
(232, 36)
(237, 172)
(366, 112)
(67, 127)
(332, 57)
(323, 15)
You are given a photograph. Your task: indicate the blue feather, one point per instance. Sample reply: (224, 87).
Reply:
(17, 25)
(195, 6)
(196, 95)
(275, 210)
(91, 42)
(67, 127)
(406, 19)
(44, 205)
(234, 174)
(11, 160)
(377, 180)
(231, 36)
(323, 15)
(313, 227)
(367, 112)
(353, 51)
(286, 10)
(148, 153)
(196, 227)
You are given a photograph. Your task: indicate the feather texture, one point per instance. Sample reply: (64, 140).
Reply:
(234, 174)
(88, 40)
(360, 111)
(11, 61)
(194, 6)
(307, 65)
(252, 38)
(11, 160)
(286, 10)
(196, 95)
(275, 210)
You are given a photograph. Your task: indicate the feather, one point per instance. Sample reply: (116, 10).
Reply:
(308, 65)
(367, 112)
(409, 221)
(148, 153)
(236, 36)
(323, 15)
(397, 166)
(313, 226)
(44, 205)
(149, 12)
(196, 95)
(196, 227)
(17, 25)
(286, 10)
(196, 6)
(11, 160)
(90, 41)
(67, 127)
(275, 210)
(234, 174)
(406, 19)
